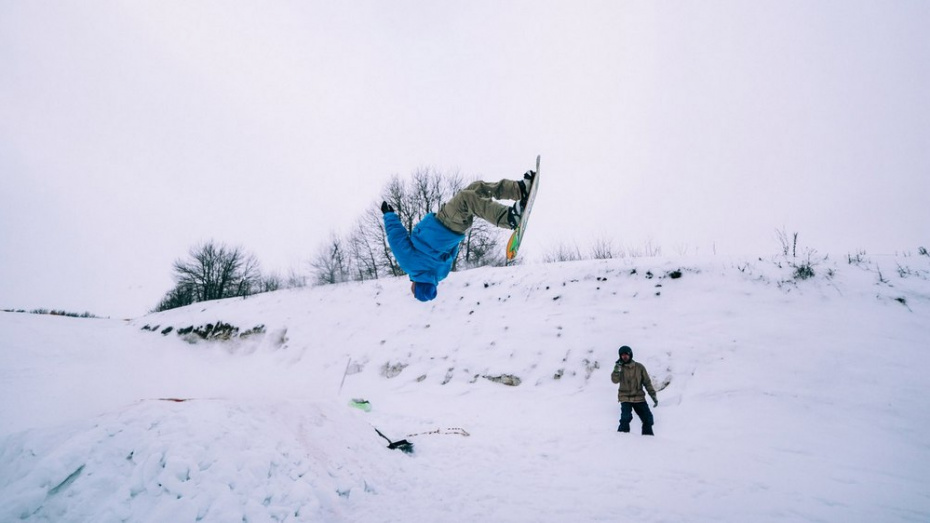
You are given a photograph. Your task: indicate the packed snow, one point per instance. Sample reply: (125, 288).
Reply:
(780, 399)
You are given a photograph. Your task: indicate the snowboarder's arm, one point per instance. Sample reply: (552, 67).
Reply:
(397, 236)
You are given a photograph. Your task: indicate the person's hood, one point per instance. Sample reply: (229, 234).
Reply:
(424, 291)
(625, 350)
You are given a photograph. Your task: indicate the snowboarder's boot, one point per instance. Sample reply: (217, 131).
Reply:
(624, 427)
(647, 430)
(515, 213)
(525, 185)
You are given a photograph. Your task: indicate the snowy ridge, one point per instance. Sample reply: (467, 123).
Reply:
(781, 400)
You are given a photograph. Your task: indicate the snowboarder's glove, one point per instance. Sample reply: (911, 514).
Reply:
(655, 403)
(385, 208)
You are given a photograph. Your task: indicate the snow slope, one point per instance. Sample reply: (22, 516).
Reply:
(781, 400)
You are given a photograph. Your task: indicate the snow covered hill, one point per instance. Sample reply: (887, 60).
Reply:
(782, 399)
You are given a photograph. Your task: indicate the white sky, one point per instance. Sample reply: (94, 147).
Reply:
(130, 131)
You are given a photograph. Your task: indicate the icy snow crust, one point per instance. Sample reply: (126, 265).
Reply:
(780, 400)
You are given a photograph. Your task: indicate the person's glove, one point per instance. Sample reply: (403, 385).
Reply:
(385, 208)
(655, 403)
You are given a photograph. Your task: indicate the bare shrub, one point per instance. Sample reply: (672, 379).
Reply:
(603, 249)
(563, 252)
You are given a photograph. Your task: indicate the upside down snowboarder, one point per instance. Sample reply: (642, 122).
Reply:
(427, 252)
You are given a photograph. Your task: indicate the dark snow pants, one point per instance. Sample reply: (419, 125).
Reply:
(642, 410)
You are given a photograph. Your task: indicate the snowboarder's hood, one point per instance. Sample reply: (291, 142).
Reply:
(424, 291)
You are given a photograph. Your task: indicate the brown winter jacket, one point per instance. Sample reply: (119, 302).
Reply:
(632, 377)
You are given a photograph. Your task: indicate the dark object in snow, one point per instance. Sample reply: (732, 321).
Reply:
(405, 446)
(506, 379)
(447, 431)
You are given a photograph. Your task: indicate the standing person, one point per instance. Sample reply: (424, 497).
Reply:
(633, 378)
(426, 254)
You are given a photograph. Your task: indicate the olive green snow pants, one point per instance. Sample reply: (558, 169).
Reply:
(478, 200)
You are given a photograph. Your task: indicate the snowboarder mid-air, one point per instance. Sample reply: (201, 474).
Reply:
(633, 378)
(426, 253)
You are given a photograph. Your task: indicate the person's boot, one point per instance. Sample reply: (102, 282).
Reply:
(525, 185)
(647, 430)
(624, 427)
(515, 213)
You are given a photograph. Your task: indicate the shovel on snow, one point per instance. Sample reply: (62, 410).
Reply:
(405, 446)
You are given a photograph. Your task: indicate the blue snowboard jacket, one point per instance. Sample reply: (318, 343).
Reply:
(426, 254)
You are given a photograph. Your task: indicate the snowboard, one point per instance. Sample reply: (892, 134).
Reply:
(513, 245)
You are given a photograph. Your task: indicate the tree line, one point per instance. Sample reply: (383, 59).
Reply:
(214, 270)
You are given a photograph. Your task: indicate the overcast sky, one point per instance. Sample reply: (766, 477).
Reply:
(130, 131)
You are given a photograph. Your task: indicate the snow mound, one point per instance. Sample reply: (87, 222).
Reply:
(198, 460)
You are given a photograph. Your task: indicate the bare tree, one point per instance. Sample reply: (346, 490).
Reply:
(482, 246)
(397, 194)
(426, 191)
(375, 236)
(295, 279)
(331, 262)
(271, 283)
(180, 296)
(216, 271)
(363, 245)
(213, 271)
